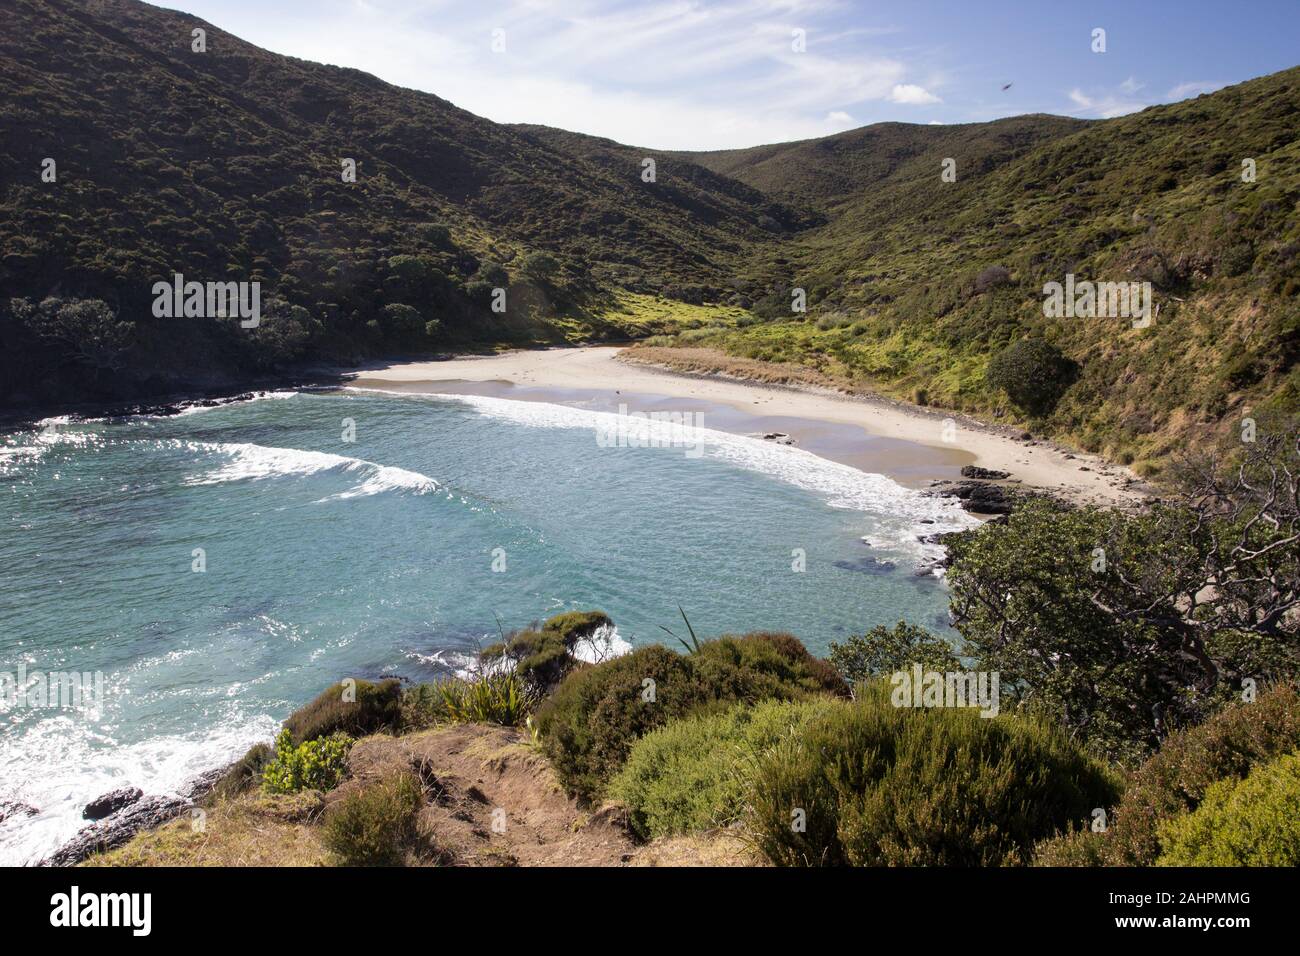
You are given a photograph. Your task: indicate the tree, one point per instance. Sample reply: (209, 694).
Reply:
(1124, 627)
(1033, 373)
(883, 651)
(88, 329)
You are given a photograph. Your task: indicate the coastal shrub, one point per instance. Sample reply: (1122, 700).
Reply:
(595, 715)
(883, 651)
(317, 764)
(1176, 780)
(693, 774)
(1033, 373)
(375, 825)
(870, 784)
(591, 720)
(423, 706)
(1253, 822)
(245, 774)
(492, 698)
(764, 665)
(543, 656)
(355, 708)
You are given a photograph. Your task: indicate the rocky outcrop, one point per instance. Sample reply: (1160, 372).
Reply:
(980, 497)
(985, 474)
(114, 830)
(111, 802)
(134, 812)
(16, 808)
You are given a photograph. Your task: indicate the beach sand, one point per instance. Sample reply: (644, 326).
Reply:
(912, 445)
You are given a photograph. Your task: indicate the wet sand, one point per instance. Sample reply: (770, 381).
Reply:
(913, 446)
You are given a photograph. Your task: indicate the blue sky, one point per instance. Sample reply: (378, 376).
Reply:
(700, 74)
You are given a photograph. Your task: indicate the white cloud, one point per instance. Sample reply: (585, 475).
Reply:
(1183, 90)
(1131, 85)
(669, 74)
(1105, 105)
(912, 95)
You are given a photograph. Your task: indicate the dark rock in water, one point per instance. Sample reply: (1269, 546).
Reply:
(867, 565)
(781, 438)
(988, 474)
(111, 802)
(117, 829)
(14, 808)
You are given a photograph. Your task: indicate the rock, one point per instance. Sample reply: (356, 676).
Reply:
(979, 497)
(14, 808)
(111, 802)
(867, 565)
(781, 438)
(113, 831)
(988, 474)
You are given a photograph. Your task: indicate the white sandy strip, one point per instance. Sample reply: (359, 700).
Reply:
(597, 368)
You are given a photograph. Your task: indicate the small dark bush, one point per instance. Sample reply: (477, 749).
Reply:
(356, 710)
(991, 278)
(870, 784)
(376, 825)
(1033, 373)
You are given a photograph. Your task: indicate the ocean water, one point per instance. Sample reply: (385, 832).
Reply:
(398, 553)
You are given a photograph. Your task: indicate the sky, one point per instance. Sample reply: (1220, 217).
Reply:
(719, 74)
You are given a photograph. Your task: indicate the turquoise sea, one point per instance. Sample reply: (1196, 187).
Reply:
(220, 567)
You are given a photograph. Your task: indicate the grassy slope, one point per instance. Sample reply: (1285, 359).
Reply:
(1156, 195)
(226, 165)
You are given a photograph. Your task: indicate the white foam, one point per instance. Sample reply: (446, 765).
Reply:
(250, 462)
(60, 764)
(899, 511)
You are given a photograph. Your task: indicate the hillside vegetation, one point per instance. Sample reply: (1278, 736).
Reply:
(226, 165)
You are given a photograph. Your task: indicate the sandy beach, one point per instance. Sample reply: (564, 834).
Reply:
(913, 445)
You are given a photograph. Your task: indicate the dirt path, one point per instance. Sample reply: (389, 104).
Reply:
(493, 800)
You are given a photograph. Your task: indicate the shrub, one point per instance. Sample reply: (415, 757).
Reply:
(991, 277)
(245, 774)
(591, 721)
(542, 657)
(1254, 822)
(878, 785)
(539, 266)
(883, 651)
(351, 707)
(499, 698)
(375, 825)
(693, 774)
(317, 764)
(1033, 373)
(1177, 779)
(593, 717)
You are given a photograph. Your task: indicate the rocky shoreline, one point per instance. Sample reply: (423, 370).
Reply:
(121, 814)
